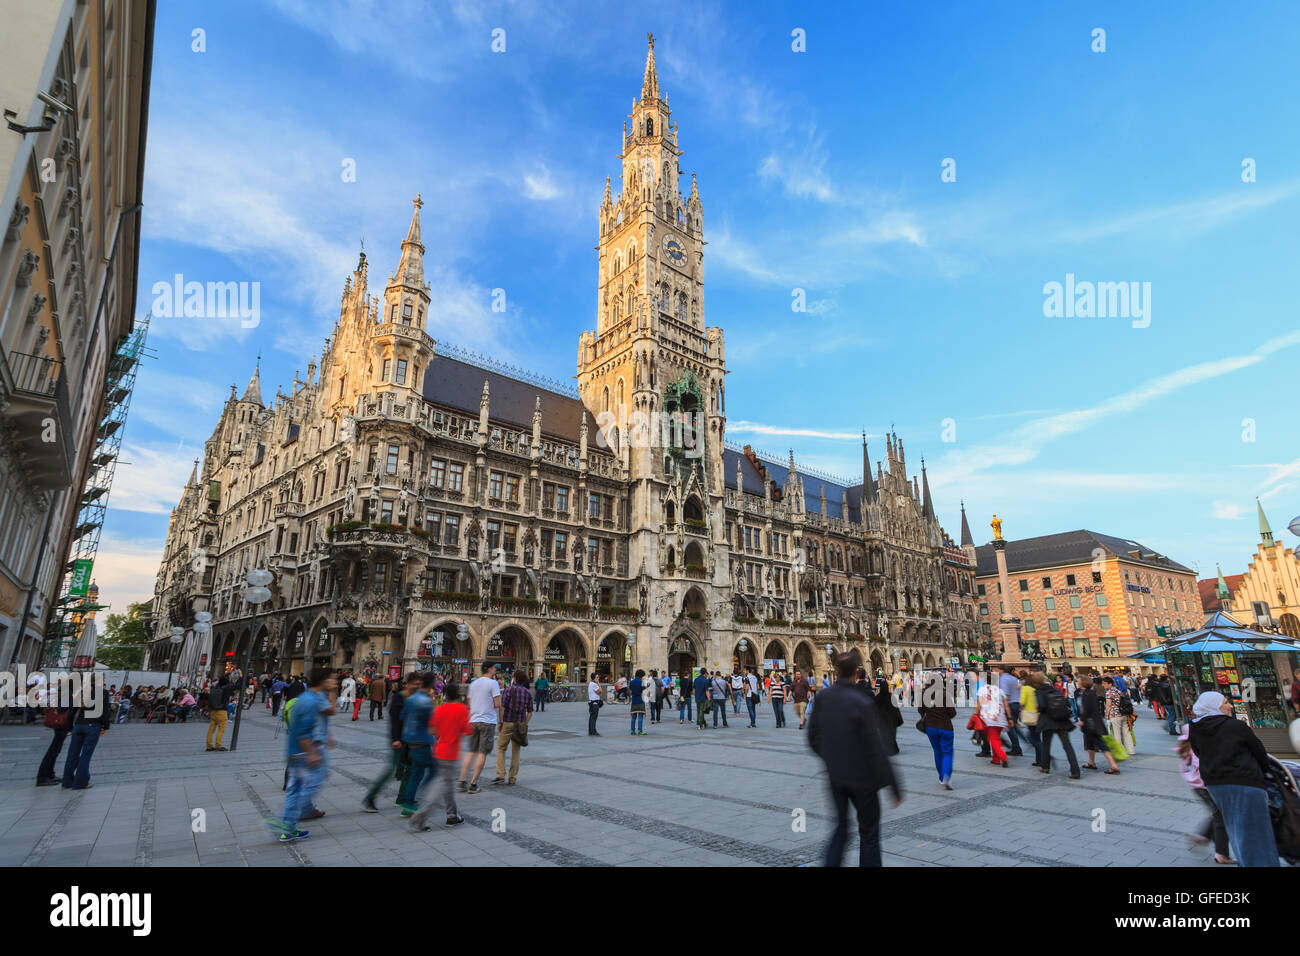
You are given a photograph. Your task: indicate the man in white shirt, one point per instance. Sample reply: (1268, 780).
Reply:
(751, 695)
(593, 704)
(484, 708)
(737, 687)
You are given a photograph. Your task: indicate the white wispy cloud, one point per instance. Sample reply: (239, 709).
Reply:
(125, 570)
(755, 428)
(153, 480)
(1228, 511)
(1024, 443)
(541, 185)
(1178, 220)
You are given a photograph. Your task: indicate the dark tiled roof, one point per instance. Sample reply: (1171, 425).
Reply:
(1067, 547)
(459, 385)
(812, 485)
(1209, 590)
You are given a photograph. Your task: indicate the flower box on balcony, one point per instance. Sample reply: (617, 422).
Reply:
(746, 620)
(345, 526)
(570, 606)
(695, 570)
(855, 637)
(530, 604)
(457, 598)
(624, 612)
(388, 528)
(695, 524)
(670, 569)
(774, 621)
(876, 639)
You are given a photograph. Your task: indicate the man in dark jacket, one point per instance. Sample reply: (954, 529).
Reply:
(1165, 698)
(701, 685)
(395, 766)
(844, 730)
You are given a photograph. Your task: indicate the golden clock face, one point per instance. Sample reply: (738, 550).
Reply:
(675, 251)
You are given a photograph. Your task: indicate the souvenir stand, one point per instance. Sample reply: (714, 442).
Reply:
(1250, 668)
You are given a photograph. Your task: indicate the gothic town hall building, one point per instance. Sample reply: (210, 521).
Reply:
(423, 507)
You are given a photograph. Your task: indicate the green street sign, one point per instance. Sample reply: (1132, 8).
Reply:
(80, 577)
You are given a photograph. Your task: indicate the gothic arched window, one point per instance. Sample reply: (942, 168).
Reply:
(649, 126)
(681, 306)
(620, 393)
(604, 400)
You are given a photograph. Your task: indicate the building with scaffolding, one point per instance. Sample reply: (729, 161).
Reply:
(74, 78)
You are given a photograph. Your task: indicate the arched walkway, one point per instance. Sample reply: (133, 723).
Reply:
(803, 658)
(564, 656)
(775, 657)
(612, 655)
(509, 648)
(748, 657)
(440, 650)
(683, 655)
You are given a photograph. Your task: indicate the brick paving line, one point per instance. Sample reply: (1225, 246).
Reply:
(53, 830)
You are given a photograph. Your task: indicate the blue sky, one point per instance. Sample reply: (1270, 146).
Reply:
(819, 171)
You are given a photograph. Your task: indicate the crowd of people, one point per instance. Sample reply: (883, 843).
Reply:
(441, 731)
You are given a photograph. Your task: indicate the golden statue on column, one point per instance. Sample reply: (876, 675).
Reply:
(996, 525)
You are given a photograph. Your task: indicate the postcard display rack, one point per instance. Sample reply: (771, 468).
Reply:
(1228, 672)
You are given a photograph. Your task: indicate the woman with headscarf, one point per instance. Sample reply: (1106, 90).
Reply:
(1093, 725)
(1232, 764)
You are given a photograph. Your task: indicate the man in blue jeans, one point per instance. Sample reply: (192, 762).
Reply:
(751, 696)
(90, 721)
(684, 695)
(701, 688)
(416, 714)
(307, 745)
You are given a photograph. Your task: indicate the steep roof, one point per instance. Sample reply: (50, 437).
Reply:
(1068, 547)
(1209, 591)
(456, 384)
(812, 484)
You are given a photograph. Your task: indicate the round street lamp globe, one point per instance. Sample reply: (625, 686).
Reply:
(259, 578)
(257, 595)
(178, 635)
(1294, 526)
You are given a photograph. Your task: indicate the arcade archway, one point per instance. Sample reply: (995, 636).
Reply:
(683, 656)
(509, 649)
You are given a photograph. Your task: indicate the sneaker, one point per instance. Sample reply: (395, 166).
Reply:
(408, 809)
(455, 821)
(946, 785)
(641, 733)
(295, 836)
(313, 814)
(368, 806)
(218, 748)
(1075, 776)
(52, 782)
(498, 781)
(460, 787)
(420, 826)
(473, 788)
(210, 749)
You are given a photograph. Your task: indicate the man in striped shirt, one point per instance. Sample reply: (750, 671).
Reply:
(516, 711)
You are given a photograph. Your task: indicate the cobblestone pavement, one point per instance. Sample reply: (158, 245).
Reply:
(678, 796)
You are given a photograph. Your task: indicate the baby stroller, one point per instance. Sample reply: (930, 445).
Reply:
(1284, 807)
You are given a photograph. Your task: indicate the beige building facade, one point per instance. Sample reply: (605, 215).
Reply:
(74, 83)
(1088, 599)
(420, 506)
(1269, 590)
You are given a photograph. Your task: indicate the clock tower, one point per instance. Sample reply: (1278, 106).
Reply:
(651, 374)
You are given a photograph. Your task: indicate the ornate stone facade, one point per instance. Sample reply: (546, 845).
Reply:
(597, 529)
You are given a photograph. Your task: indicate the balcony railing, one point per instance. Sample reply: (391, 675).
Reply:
(39, 392)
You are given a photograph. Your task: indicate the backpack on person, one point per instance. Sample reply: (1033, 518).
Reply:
(1056, 706)
(1125, 705)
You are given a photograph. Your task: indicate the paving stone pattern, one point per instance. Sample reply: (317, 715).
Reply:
(676, 797)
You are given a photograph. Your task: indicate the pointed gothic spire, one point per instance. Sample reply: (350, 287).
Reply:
(1265, 532)
(609, 197)
(966, 537)
(928, 506)
(410, 269)
(254, 391)
(868, 488)
(1224, 593)
(194, 475)
(650, 85)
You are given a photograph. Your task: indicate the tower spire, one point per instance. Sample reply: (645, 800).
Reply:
(650, 84)
(966, 537)
(868, 487)
(410, 269)
(254, 391)
(1265, 532)
(927, 509)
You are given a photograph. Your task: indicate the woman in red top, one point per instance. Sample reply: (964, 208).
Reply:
(450, 722)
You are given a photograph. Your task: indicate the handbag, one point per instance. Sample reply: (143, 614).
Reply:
(976, 722)
(521, 734)
(1115, 747)
(920, 724)
(55, 720)
(1029, 717)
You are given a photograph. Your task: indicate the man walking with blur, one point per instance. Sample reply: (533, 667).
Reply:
(307, 746)
(844, 731)
(799, 690)
(484, 715)
(397, 766)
